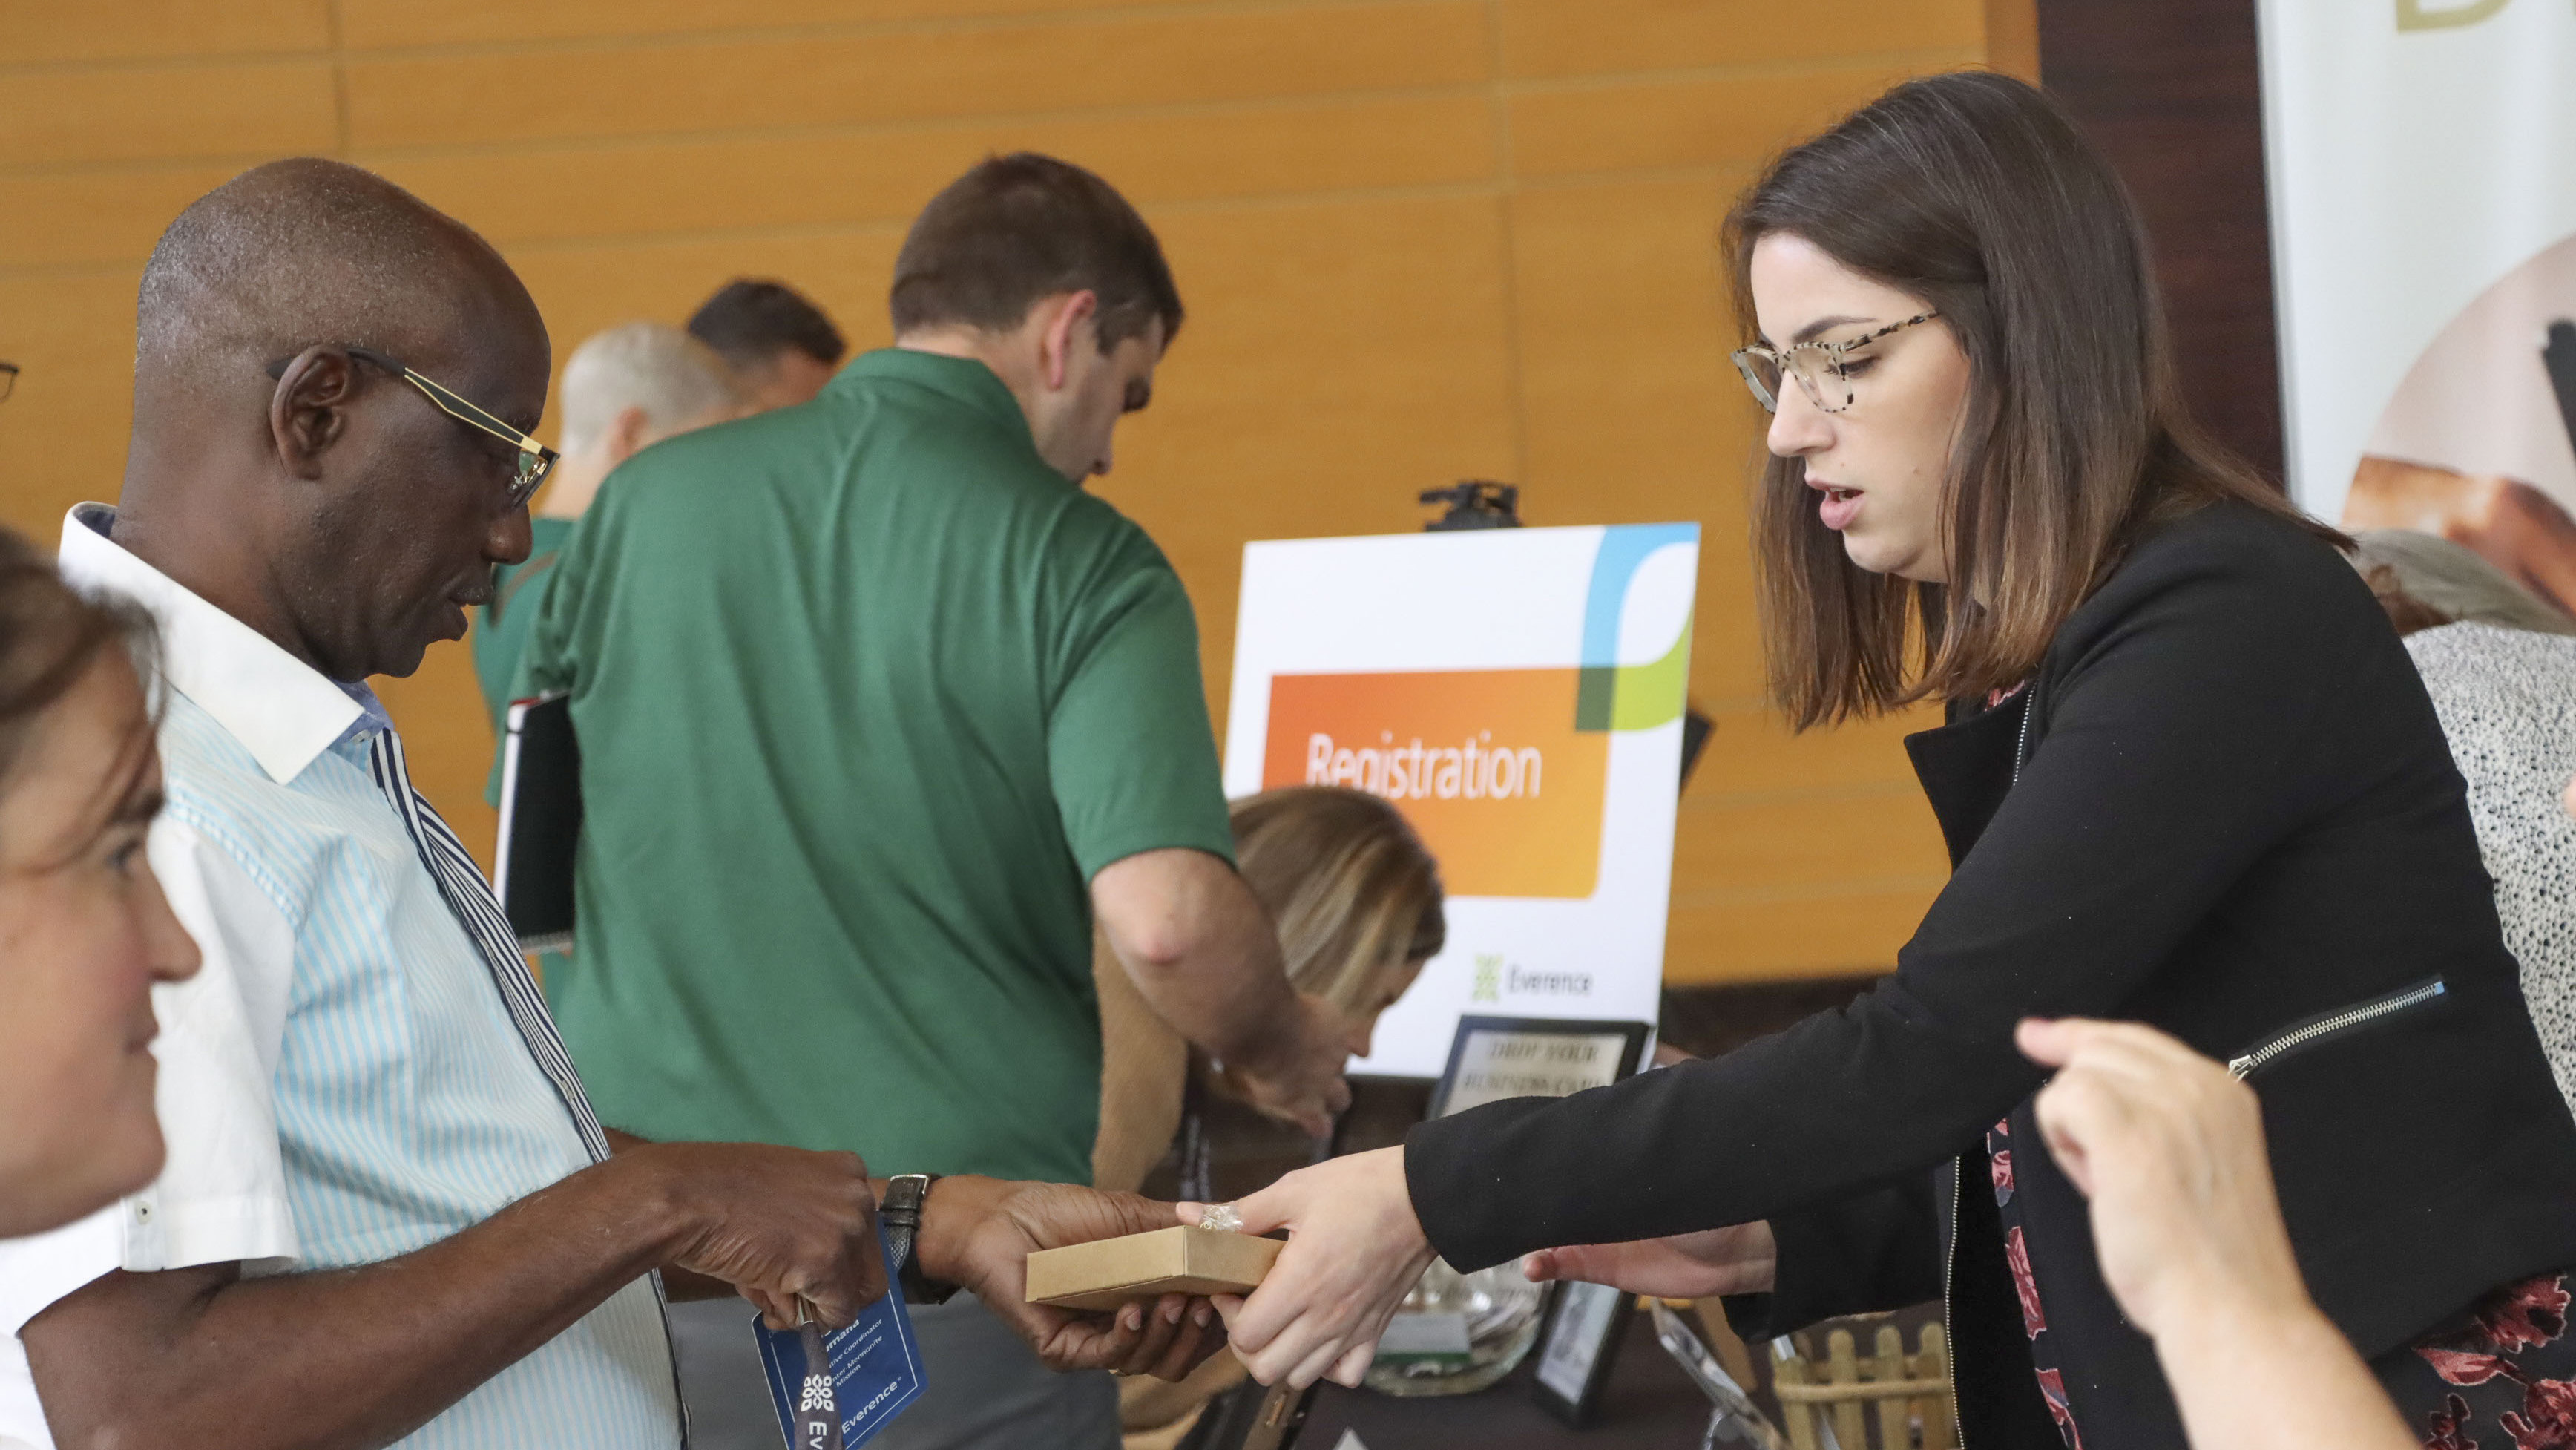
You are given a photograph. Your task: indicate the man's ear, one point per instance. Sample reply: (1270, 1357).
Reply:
(628, 432)
(309, 410)
(1072, 326)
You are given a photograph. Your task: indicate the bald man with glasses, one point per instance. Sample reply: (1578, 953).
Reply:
(389, 1214)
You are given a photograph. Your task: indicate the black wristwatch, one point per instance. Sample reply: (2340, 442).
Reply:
(900, 1212)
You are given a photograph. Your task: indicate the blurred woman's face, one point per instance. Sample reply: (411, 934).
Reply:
(84, 933)
(1359, 1022)
(1877, 466)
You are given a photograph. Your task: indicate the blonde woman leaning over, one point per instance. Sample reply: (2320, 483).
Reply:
(1357, 902)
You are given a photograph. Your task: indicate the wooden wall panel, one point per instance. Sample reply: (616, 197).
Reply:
(1688, 120)
(645, 188)
(62, 432)
(1421, 240)
(500, 97)
(1251, 437)
(162, 112)
(1622, 37)
(396, 24)
(41, 31)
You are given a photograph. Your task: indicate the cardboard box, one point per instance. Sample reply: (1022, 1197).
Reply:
(1106, 1273)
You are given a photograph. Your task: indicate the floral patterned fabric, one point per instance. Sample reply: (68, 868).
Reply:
(2034, 1320)
(2502, 1376)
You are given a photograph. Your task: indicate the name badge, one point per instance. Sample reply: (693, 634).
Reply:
(836, 1390)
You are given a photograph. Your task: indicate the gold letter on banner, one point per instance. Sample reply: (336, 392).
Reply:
(2416, 15)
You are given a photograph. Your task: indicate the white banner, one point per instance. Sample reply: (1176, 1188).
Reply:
(1517, 693)
(2422, 169)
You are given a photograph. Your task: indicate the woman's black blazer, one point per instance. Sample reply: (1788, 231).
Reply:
(2224, 807)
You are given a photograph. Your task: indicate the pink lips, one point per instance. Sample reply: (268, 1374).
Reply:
(1837, 507)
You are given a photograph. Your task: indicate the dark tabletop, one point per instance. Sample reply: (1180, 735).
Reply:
(1647, 1405)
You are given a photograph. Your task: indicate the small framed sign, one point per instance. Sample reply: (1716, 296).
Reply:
(1575, 1348)
(1493, 1058)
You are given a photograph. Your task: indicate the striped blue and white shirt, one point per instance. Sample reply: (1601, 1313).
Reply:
(344, 1082)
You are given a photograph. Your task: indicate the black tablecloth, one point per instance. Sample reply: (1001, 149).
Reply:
(1647, 1405)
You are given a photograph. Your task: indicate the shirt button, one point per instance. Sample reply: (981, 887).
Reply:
(142, 1213)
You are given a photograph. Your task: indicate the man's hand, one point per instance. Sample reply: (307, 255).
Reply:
(1296, 1075)
(782, 1225)
(1739, 1260)
(978, 1233)
(1197, 944)
(366, 1355)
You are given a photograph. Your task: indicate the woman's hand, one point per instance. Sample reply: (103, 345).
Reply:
(1354, 1251)
(2169, 1149)
(1737, 1260)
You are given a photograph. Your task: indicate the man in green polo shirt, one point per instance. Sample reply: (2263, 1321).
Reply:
(879, 712)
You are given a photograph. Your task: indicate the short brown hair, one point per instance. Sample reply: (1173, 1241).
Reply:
(1349, 884)
(1974, 193)
(1024, 227)
(50, 637)
(751, 320)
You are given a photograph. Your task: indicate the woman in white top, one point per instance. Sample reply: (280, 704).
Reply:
(2501, 666)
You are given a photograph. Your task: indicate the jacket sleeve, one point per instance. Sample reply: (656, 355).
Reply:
(2183, 711)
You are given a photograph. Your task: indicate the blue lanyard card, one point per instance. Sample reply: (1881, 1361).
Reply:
(875, 1371)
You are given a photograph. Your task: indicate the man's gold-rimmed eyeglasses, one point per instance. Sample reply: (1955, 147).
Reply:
(536, 460)
(8, 380)
(1823, 369)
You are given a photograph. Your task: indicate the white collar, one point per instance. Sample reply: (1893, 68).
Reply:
(282, 710)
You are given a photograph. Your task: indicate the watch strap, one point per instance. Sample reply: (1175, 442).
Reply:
(900, 1213)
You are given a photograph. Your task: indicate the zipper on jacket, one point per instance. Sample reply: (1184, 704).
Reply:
(2021, 747)
(1949, 1339)
(2335, 1024)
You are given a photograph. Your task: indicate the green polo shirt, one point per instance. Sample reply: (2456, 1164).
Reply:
(866, 692)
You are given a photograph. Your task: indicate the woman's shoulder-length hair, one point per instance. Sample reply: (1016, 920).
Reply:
(1347, 881)
(1972, 192)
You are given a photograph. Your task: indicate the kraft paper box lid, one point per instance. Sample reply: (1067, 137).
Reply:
(1109, 1272)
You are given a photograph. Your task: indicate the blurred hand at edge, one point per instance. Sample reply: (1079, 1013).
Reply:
(2168, 1148)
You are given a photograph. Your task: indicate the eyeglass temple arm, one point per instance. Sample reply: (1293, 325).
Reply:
(464, 411)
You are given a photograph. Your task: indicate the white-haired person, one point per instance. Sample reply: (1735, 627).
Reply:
(624, 389)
